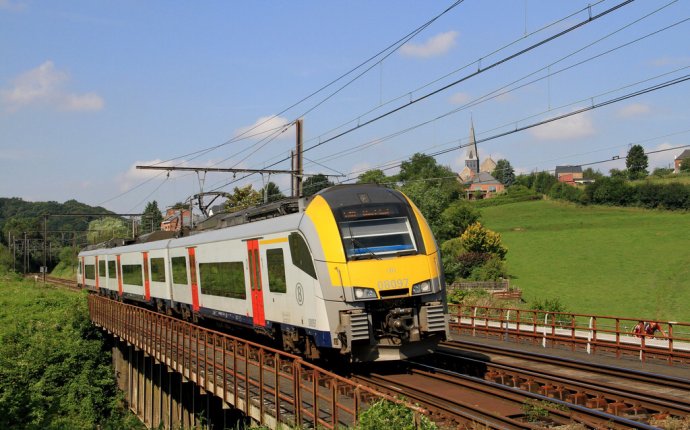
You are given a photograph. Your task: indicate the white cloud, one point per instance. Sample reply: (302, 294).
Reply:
(44, 86)
(633, 110)
(84, 102)
(435, 46)
(572, 127)
(133, 176)
(670, 61)
(460, 98)
(12, 5)
(265, 127)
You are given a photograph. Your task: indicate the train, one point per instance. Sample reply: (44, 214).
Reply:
(352, 271)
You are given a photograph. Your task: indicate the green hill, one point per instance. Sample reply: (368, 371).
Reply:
(602, 260)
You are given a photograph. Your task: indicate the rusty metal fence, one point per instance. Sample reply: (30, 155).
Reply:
(594, 334)
(269, 385)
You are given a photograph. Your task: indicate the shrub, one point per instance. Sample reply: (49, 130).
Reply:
(492, 270)
(567, 192)
(478, 238)
(388, 415)
(466, 263)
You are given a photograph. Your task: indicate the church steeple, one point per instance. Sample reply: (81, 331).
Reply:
(472, 161)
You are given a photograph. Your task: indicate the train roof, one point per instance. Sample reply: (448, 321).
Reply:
(283, 215)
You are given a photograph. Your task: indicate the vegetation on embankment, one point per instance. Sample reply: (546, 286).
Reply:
(55, 370)
(626, 262)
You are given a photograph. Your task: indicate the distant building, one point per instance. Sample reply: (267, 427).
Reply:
(569, 174)
(679, 159)
(488, 165)
(472, 162)
(483, 186)
(175, 219)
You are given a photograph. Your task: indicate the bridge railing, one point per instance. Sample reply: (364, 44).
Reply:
(594, 334)
(269, 385)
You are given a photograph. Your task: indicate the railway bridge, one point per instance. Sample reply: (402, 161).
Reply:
(178, 375)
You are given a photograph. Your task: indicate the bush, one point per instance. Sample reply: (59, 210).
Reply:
(466, 263)
(388, 415)
(55, 369)
(492, 270)
(514, 194)
(567, 192)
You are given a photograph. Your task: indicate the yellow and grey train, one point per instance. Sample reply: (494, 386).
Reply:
(354, 269)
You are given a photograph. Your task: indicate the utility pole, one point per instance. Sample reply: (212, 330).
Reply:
(298, 164)
(26, 256)
(14, 253)
(45, 241)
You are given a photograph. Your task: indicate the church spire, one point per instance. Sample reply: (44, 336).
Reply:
(472, 161)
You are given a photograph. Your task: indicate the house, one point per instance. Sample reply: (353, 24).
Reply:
(175, 219)
(483, 186)
(679, 159)
(571, 175)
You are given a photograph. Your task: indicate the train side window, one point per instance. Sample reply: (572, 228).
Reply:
(101, 268)
(224, 279)
(90, 271)
(158, 270)
(275, 265)
(301, 257)
(111, 270)
(131, 274)
(179, 270)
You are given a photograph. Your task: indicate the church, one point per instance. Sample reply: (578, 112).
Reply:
(476, 176)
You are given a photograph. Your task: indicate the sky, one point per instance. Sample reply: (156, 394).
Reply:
(89, 90)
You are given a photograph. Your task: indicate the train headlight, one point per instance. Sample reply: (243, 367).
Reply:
(421, 288)
(365, 293)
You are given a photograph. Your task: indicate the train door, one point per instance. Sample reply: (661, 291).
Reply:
(147, 284)
(119, 277)
(254, 264)
(192, 276)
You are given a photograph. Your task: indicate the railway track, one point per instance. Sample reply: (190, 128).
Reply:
(64, 283)
(462, 401)
(630, 394)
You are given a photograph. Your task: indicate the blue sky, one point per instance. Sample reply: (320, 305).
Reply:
(90, 89)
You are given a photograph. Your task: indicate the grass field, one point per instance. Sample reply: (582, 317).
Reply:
(624, 262)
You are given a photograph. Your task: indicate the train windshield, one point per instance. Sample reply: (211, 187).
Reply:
(371, 238)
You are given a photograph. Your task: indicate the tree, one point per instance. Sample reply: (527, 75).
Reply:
(455, 220)
(272, 191)
(618, 174)
(431, 201)
(636, 162)
(504, 172)
(242, 198)
(543, 181)
(151, 218)
(6, 259)
(684, 165)
(590, 173)
(478, 238)
(663, 171)
(104, 229)
(314, 184)
(375, 176)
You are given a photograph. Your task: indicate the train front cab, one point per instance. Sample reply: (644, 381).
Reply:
(382, 277)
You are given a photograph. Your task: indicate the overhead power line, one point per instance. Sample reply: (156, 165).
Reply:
(471, 75)
(386, 52)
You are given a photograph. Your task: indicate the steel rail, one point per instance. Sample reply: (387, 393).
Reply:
(603, 369)
(619, 399)
(579, 413)
(589, 417)
(455, 411)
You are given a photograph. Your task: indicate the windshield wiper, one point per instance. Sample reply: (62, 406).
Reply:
(361, 246)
